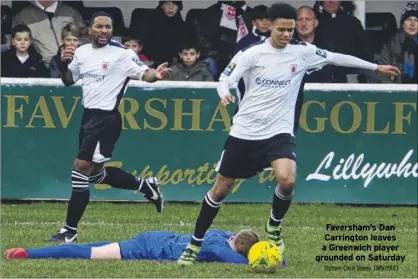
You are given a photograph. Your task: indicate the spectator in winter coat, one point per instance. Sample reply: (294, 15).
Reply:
(70, 36)
(167, 33)
(216, 31)
(22, 60)
(344, 33)
(259, 30)
(46, 20)
(190, 68)
(401, 50)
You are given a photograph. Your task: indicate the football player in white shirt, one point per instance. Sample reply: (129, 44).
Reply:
(103, 68)
(269, 74)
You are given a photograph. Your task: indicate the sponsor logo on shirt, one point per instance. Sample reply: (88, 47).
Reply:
(272, 83)
(92, 77)
(321, 52)
(229, 69)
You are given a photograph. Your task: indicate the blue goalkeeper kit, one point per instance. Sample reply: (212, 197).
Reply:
(168, 246)
(154, 245)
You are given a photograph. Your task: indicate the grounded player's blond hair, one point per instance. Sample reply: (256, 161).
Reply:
(244, 240)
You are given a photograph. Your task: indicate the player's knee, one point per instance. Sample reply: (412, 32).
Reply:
(82, 166)
(222, 187)
(286, 183)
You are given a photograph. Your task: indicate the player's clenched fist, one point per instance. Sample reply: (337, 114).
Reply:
(67, 54)
(388, 70)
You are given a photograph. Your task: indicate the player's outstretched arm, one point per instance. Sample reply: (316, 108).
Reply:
(160, 73)
(65, 73)
(343, 60)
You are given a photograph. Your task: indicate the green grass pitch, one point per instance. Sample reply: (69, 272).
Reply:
(304, 229)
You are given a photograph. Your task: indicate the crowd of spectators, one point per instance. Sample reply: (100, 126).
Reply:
(199, 46)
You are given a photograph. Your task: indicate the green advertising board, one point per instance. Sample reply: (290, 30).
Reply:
(353, 146)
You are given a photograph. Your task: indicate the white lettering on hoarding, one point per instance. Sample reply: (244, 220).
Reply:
(354, 167)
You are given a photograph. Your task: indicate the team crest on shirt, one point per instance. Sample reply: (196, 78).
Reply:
(105, 66)
(230, 13)
(228, 70)
(321, 52)
(293, 68)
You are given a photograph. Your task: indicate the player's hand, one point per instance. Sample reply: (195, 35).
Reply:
(227, 99)
(162, 71)
(388, 70)
(67, 54)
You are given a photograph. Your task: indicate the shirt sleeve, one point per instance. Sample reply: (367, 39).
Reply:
(75, 64)
(228, 255)
(239, 64)
(316, 58)
(132, 66)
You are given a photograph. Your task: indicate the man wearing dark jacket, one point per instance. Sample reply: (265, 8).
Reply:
(216, 31)
(306, 25)
(259, 30)
(344, 33)
(166, 33)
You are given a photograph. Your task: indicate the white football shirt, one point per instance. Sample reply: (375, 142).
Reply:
(269, 79)
(104, 73)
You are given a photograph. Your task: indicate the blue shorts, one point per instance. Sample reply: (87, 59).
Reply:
(155, 245)
(134, 248)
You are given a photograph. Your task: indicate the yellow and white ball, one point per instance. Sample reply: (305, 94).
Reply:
(264, 255)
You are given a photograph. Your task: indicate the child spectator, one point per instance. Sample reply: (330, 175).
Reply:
(22, 60)
(46, 20)
(70, 36)
(189, 68)
(136, 46)
(259, 31)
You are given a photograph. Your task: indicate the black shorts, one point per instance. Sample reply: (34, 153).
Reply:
(245, 158)
(98, 134)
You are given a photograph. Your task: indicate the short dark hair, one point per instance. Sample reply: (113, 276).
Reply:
(131, 38)
(189, 45)
(21, 28)
(97, 14)
(259, 12)
(281, 10)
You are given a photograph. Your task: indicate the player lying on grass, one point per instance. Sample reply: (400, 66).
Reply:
(218, 246)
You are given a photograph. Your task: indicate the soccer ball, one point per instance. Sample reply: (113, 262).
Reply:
(264, 255)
